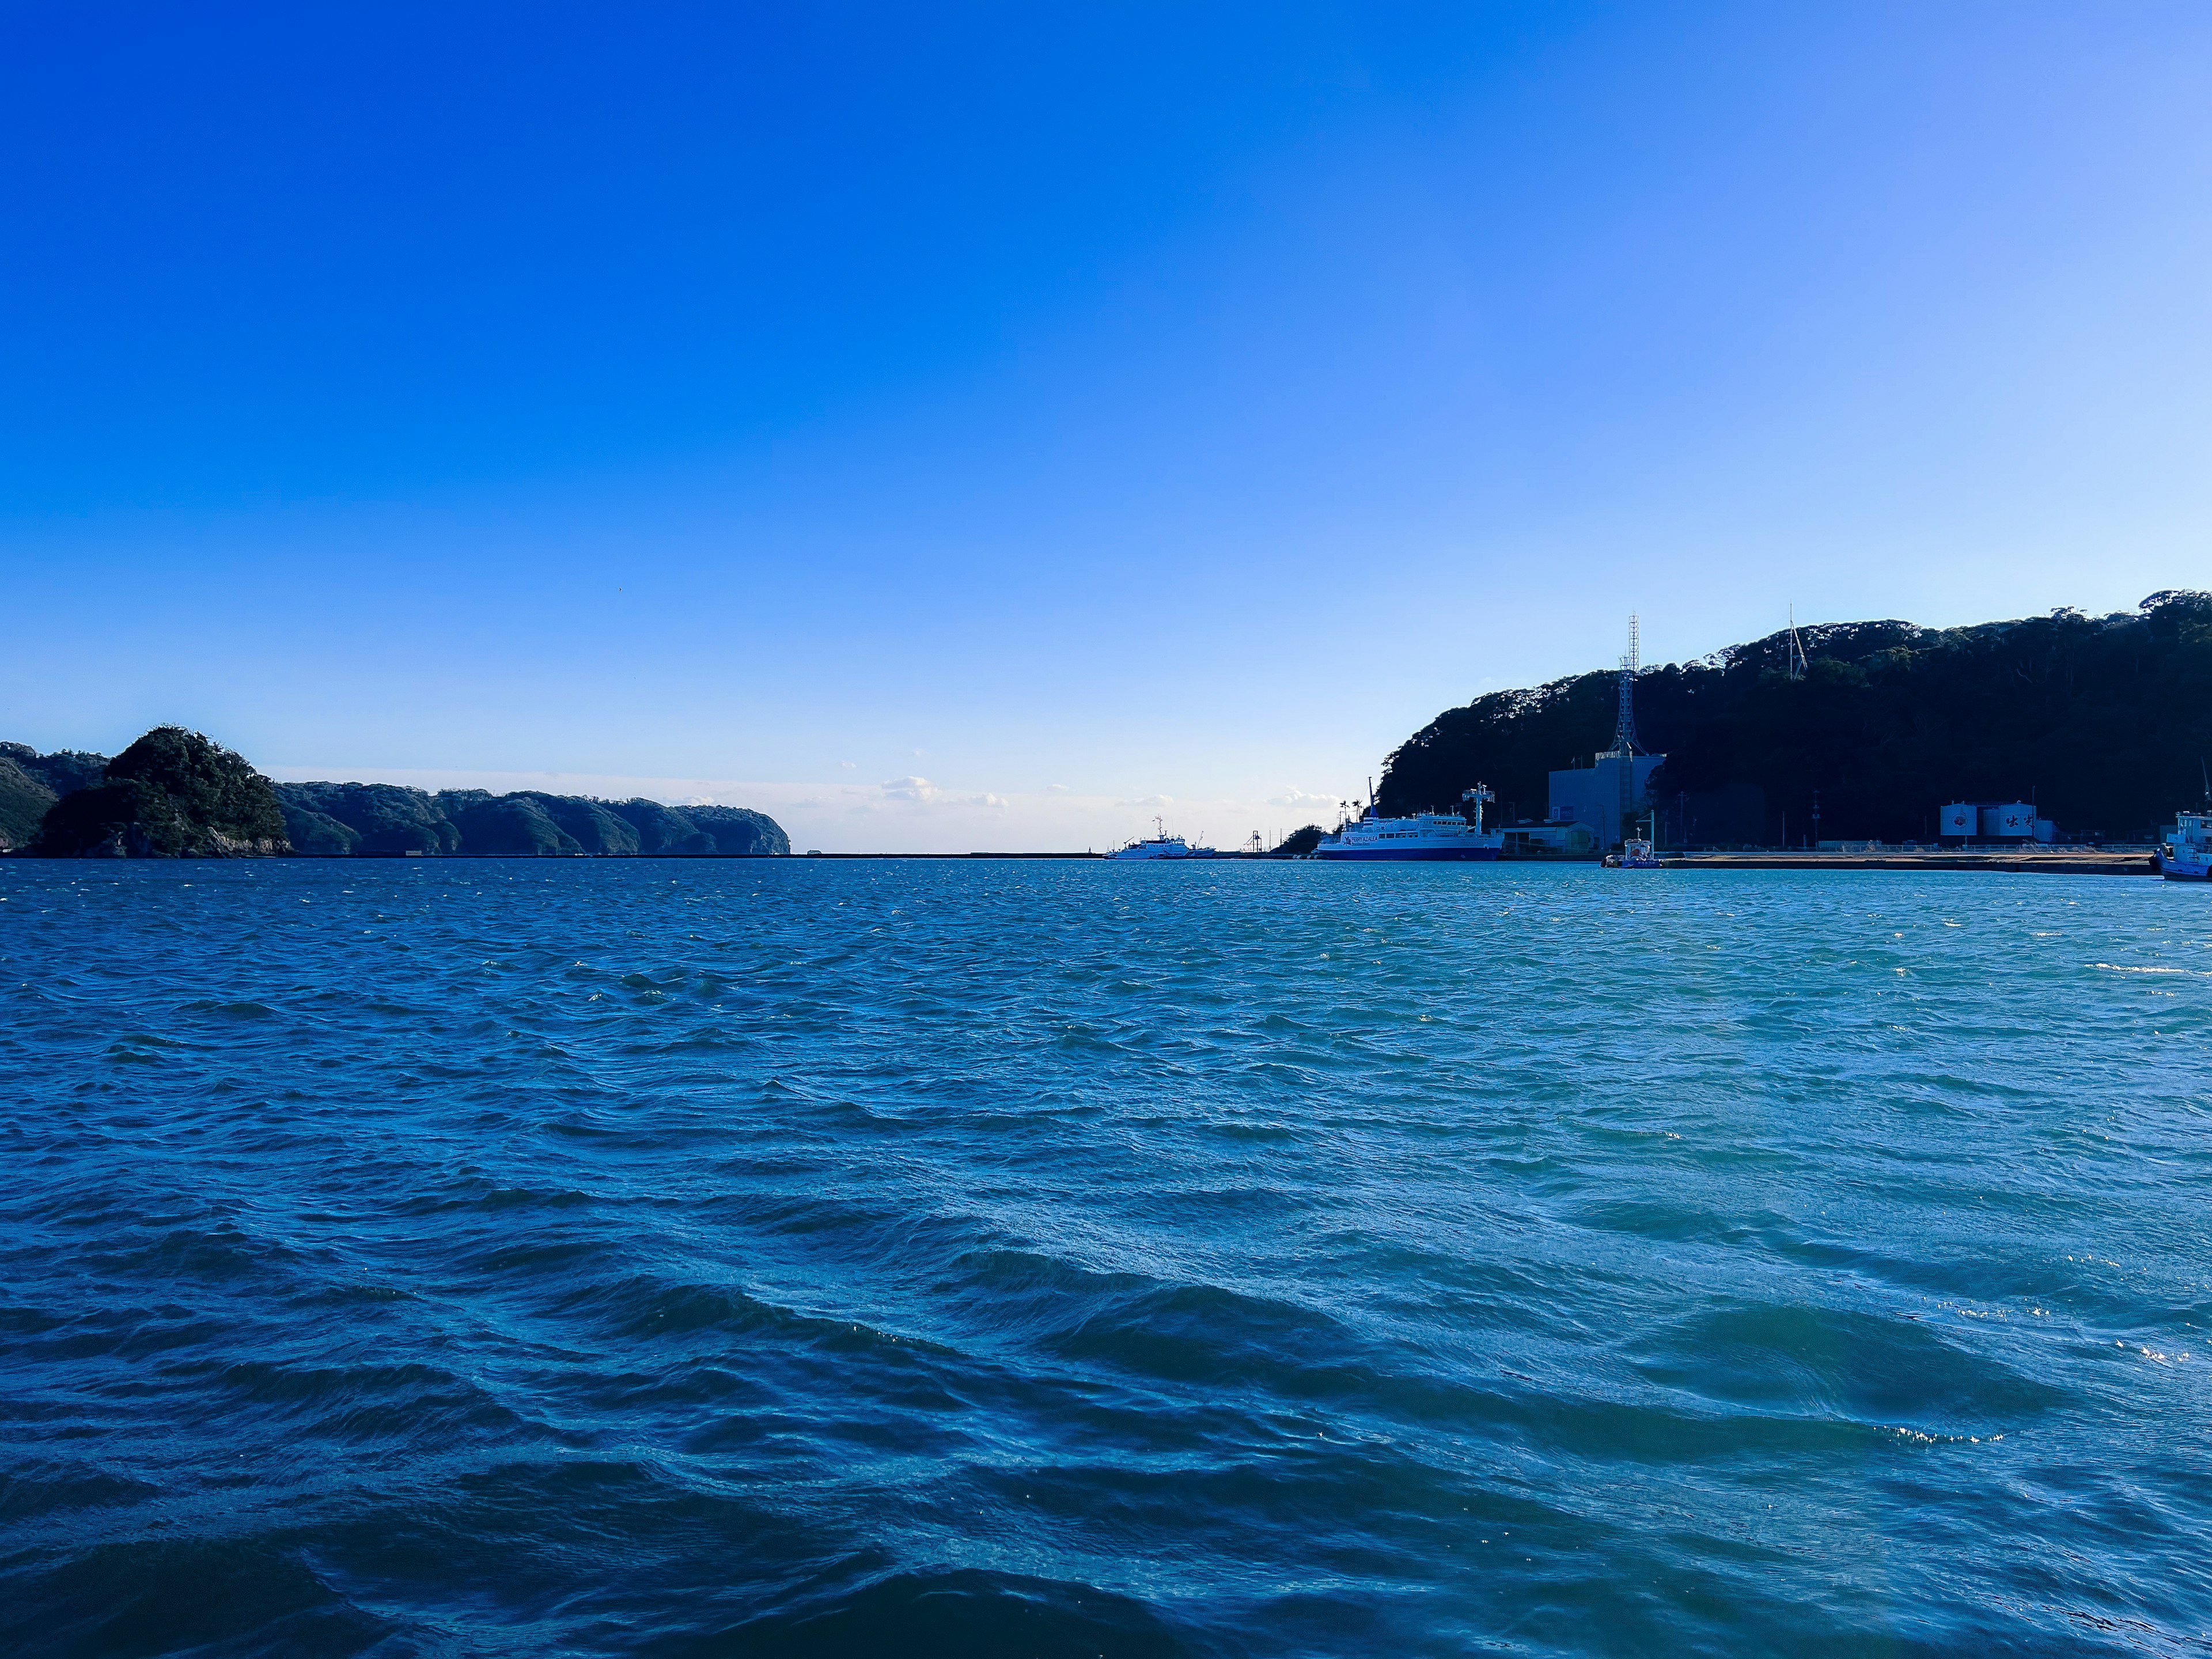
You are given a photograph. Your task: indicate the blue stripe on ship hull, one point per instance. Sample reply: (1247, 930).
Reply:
(1411, 854)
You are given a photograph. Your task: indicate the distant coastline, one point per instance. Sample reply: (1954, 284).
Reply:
(175, 794)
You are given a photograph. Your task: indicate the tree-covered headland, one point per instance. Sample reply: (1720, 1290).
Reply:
(2103, 723)
(173, 793)
(176, 793)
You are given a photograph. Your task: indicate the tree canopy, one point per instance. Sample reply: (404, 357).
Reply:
(2103, 723)
(173, 793)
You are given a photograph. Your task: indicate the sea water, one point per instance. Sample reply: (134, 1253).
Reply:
(987, 1258)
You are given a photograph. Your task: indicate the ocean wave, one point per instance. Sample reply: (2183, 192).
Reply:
(1285, 1260)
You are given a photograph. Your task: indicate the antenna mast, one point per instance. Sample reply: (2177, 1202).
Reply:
(1796, 665)
(1624, 747)
(1623, 730)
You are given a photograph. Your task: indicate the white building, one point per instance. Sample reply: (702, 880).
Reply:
(1981, 820)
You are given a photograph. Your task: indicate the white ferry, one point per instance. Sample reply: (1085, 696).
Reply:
(2188, 856)
(1161, 844)
(1426, 837)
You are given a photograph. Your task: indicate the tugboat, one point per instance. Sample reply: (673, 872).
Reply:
(1639, 852)
(1426, 837)
(2188, 856)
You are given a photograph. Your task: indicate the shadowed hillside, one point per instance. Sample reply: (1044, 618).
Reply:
(2105, 722)
(173, 793)
(384, 817)
(31, 783)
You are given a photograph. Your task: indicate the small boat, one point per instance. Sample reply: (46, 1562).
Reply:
(2188, 856)
(1639, 852)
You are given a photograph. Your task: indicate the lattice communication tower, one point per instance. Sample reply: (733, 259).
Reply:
(1623, 731)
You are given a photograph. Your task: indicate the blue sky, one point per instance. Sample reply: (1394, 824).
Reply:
(993, 427)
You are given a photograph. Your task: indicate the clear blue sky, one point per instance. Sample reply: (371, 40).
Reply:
(962, 427)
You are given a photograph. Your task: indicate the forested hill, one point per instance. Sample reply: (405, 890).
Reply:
(385, 817)
(2105, 722)
(174, 794)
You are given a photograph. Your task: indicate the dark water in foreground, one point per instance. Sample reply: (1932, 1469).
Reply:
(804, 1258)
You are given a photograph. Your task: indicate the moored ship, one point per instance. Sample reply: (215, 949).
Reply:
(1161, 844)
(1424, 837)
(2188, 856)
(1638, 852)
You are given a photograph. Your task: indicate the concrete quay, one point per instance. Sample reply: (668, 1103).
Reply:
(2082, 861)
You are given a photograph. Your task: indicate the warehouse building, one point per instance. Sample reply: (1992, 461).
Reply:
(2002, 821)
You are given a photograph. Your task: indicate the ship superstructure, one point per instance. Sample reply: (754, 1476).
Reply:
(1161, 844)
(1426, 837)
(2188, 856)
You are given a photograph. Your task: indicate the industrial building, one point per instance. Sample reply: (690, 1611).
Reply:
(1610, 795)
(1549, 840)
(2006, 821)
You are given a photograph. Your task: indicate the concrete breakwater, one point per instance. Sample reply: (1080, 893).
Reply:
(2082, 862)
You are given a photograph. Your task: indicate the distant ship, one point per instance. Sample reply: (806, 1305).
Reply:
(1426, 837)
(2188, 856)
(1161, 844)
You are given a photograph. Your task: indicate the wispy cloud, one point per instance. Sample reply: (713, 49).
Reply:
(910, 789)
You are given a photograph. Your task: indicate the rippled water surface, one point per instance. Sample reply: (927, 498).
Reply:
(798, 1257)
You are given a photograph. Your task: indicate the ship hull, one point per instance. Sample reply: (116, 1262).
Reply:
(2175, 869)
(1420, 838)
(1408, 854)
(1160, 848)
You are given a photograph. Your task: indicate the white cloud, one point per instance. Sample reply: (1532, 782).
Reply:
(1056, 789)
(1295, 798)
(922, 791)
(846, 766)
